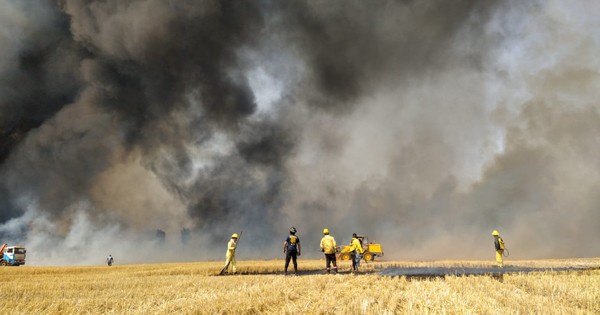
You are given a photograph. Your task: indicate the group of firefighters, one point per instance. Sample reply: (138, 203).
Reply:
(292, 249)
(329, 248)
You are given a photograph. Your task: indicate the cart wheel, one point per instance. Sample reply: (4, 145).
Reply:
(368, 256)
(345, 256)
(3, 263)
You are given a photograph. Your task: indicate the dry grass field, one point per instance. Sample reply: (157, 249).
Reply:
(193, 288)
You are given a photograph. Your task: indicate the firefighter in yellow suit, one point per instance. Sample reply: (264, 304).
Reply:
(499, 244)
(357, 251)
(230, 255)
(329, 247)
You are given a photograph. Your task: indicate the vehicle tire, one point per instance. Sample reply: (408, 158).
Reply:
(3, 263)
(345, 256)
(368, 256)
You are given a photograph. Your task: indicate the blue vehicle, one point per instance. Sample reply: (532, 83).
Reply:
(12, 255)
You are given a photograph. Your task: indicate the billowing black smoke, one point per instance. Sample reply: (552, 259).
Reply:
(424, 124)
(39, 74)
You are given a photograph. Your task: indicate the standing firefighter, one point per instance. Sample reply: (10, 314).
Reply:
(230, 255)
(109, 260)
(356, 250)
(499, 244)
(328, 247)
(291, 249)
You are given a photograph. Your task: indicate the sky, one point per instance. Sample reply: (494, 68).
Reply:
(422, 124)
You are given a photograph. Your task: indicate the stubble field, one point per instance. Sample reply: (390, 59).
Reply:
(259, 287)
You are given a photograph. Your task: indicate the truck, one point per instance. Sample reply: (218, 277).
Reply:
(12, 255)
(372, 250)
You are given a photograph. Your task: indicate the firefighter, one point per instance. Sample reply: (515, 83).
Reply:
(230, 255)
(499, 244)
(356, 250)
(291, 249)
(329, 247)
(109, 260)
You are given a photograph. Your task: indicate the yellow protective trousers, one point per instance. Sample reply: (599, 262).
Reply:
(230, 259)
(499, 258)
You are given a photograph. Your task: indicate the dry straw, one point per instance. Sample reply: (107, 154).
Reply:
(193, 288)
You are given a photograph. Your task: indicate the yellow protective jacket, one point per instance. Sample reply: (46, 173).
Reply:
(328, 244)
(356, 246)
(231, 247)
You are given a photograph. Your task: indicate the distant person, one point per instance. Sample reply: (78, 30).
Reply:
(291, 249)
(230, 255)
(499, 244)
(109, 260)
(357, 250)
(328, 247)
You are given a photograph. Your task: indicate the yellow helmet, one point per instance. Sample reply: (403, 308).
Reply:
(326, 231)
(495, 233)
(234, 235)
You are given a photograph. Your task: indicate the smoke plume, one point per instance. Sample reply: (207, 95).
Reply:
(422, 124)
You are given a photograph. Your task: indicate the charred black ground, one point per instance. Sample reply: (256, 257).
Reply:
(417, 273)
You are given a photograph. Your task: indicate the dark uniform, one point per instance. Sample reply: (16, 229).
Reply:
(291, 248)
